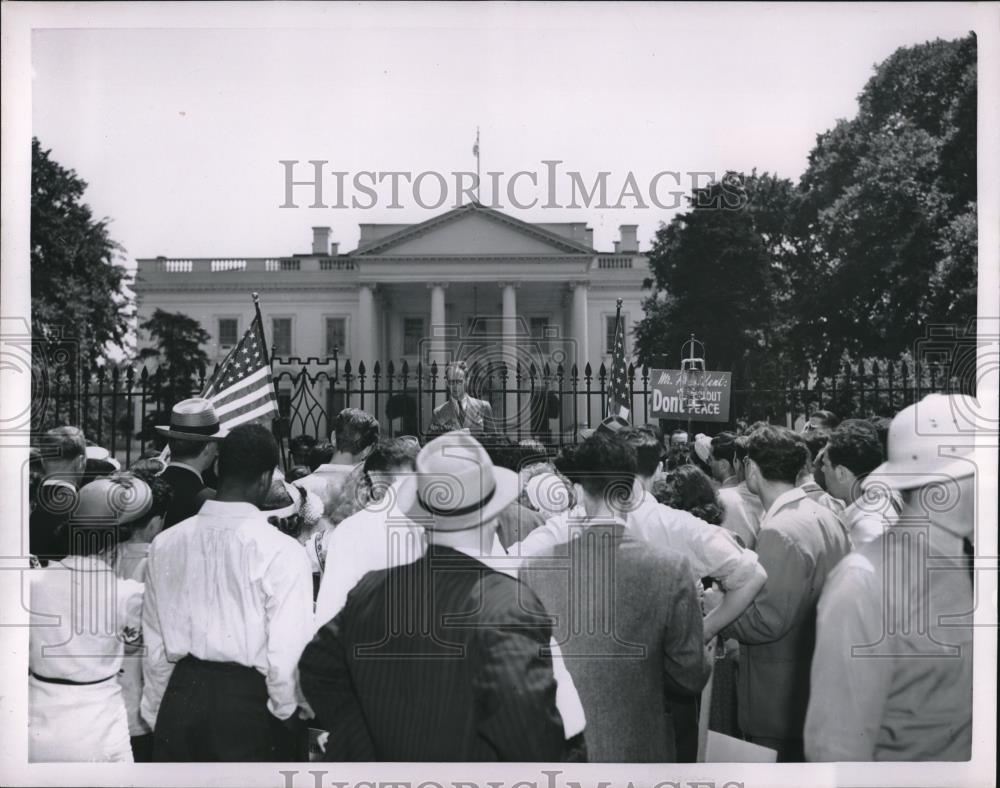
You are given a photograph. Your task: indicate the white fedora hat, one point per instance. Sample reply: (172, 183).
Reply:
(930, 442)
(193, 420)
(456, 486)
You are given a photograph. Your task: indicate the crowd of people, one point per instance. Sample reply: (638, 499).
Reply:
(471, 598)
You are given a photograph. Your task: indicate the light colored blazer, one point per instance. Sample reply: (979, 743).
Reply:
(477, 416)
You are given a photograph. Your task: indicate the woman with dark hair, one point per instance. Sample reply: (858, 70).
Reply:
(688, 488)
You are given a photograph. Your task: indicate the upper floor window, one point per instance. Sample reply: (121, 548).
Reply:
(281, 336)
(228, 332)
(336, 335)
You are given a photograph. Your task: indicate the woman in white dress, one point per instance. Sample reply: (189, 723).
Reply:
(82, 617)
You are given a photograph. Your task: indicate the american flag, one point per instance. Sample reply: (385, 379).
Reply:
(241, 389)
(619, 400)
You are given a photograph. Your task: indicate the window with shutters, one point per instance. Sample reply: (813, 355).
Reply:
(229, 331)
(336, 336)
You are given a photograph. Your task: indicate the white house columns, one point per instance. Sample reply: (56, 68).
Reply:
(580, 327)
(438, 341)
(366, 332)
(509, 334)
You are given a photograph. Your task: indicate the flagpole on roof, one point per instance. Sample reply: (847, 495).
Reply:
(475, 151)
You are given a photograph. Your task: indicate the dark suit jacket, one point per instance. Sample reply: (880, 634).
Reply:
(798, 545)
(629, 624)
(48, 523)
(478, 417)
(190, 493)
(439, 660)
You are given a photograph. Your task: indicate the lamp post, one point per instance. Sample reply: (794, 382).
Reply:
(692, 388)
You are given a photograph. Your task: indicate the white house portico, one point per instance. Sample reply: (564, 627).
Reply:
(472, 283)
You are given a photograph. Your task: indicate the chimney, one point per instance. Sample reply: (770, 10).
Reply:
(629, 241)
(590, 237)
(617, 246)
(321, 240)
(334, 248)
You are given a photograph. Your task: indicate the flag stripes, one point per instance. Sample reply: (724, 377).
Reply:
(242, 390)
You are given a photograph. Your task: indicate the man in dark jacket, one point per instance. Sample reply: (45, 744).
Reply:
(193, 435)
(445, 658)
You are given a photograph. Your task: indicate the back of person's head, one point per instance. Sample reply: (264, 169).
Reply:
(881, 425)
(605, 466)
(354, 431)
(163, 494)
(391, 455)
(855, 445)
(530, 451)
(97, 469)
(690, 490)
(677, 455)
(321, 454)
(246, 455)
(648, 450)
(814, 441)
(62, 446)
(825, 419)
(502, 450)
(181, 449)
(778, 452)
(301, 444)
(565, 462)
(741, 448)
(724, 447)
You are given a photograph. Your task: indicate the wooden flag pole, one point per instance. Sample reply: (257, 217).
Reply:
(267, 355)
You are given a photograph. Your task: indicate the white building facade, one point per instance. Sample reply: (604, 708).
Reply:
(472, 283)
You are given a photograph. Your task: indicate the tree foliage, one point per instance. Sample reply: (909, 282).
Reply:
(875, 242)
(77, 296)
(718, 272)
(889, 208)
(178, 340)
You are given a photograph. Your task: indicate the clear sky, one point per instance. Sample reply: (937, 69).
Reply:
(179, 131)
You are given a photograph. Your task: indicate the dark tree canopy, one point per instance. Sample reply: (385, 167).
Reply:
(178, 338)
(718, 273)
(76, 285)
(889, 208)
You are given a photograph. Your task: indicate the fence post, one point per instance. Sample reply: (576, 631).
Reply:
(518, 375)
(129, 396)
(347, 383)
(645, 392)
(560, 374)
(114, 410)
(575, 381)
(420, 397)
(361, 384)
(390, 371)
(102, 374)
(588, 377)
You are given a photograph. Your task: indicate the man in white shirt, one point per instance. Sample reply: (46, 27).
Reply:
(853, 451)
(354, 434)
(227, 612)
(377, 537)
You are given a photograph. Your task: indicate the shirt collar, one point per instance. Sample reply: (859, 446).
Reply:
(730, 481)
(328, 467)
(786, 498)
(228, 508)
(185, 466)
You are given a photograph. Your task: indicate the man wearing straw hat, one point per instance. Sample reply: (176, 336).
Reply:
(445, 658)
(892, 671)
(193, 435)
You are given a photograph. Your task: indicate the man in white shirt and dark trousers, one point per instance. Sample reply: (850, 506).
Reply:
(227, 612)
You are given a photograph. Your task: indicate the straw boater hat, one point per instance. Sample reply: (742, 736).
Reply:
(118, 499)
(193, 420)
(931, 441)
(456, 486)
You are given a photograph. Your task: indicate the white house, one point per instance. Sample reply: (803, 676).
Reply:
(473, 283)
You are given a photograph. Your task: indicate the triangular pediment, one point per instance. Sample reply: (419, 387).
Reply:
(472, 230)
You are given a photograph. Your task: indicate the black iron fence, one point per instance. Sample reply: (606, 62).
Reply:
(118, 406)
